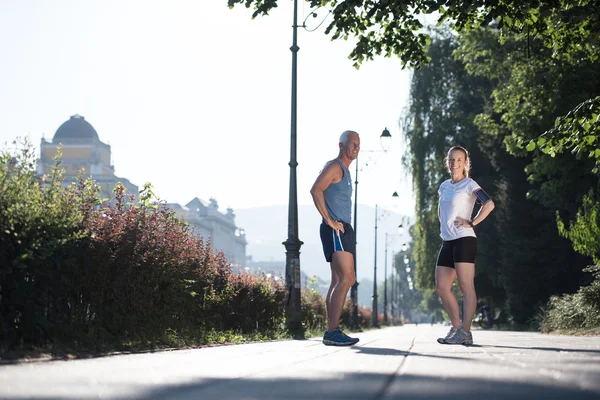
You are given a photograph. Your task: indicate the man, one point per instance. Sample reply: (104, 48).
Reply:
(332, 195)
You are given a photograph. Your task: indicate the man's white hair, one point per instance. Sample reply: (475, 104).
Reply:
(344, 137)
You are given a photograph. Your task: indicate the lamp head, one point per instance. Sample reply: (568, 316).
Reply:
(385, 139)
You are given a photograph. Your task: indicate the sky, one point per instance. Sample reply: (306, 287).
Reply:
(195, 97)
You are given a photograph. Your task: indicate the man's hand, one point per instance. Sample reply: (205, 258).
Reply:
(336, 225)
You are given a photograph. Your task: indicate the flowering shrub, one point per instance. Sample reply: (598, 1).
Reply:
(151, 273)
(364, 315)
(256, 304)
(73, 267)
(314, 312)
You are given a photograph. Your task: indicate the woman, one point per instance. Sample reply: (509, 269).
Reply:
(459, 248)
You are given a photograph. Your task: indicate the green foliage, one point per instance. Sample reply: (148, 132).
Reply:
(444, 102)
(481, 93)
(575, 311)
(534, 88)
(314, 312)
(568, 28)
(577, 131)
(38, 226)
(541, 61)
(409, 298)
(566, 31)
(76, 270)
(584, 230)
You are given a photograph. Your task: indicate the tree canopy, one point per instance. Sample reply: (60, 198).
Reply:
(393, 27)
(518, 84)
(569, 29)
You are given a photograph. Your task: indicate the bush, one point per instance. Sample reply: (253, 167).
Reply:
(73, 269)
(38, 229)
(256, 304)
(314, 311)
(575, 311)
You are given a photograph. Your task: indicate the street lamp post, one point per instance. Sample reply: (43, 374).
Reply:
(293, 243)
(374, 321)
(385, 140)
(385, 298)
(393, 289)
(389, 236)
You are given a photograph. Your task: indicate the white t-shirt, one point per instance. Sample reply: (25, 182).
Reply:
(456, 199)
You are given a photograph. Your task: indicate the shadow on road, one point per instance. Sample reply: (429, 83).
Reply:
(556, 349)
(379, 351)
(366, 386)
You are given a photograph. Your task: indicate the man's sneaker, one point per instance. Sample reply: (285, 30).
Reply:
(451, 333)
(460, 337)
(338, 338)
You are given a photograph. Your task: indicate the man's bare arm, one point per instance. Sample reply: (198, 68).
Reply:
(332, 173)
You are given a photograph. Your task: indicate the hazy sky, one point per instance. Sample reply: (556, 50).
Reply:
(195, 98)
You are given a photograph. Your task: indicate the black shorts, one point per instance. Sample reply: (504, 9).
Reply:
(345, 241)
(458, 250)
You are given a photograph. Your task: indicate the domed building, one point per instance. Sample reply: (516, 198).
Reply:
(82, 149)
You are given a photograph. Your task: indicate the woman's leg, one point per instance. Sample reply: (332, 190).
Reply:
(444, 277)
(466, 281)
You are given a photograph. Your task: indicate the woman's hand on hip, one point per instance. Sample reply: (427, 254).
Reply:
(461, 222)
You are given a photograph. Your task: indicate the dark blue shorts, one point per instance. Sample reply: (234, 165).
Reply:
(458, 250)
(332, 241)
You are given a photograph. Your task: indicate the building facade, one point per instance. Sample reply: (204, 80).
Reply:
(82, 150)
(218, 227)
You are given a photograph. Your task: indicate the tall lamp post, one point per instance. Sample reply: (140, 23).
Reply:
(374, 321)
(393, 237)
(385, 140)
(293, 243)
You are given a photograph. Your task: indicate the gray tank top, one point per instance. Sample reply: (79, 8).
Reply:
(338, 197)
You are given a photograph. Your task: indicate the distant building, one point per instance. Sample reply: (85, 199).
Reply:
(215, 226)
(82, 149)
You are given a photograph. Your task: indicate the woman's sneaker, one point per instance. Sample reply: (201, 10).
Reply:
(338, 338)
(460, 337)
(451, 333)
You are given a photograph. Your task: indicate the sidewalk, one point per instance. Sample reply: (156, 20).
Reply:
(400, 362)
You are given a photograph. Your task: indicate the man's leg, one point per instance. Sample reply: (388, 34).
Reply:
(444, 277)
(334, 281)
(466, 277)
(342, 264)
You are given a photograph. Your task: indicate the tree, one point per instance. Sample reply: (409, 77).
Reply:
(570, 29)
(531, 90)
(444, 102)
(542, 59)
(392, 27)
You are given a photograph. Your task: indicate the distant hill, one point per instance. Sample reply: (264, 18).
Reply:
(266, 229)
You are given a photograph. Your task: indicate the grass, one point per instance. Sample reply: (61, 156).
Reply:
(577, 332)
(171, 340)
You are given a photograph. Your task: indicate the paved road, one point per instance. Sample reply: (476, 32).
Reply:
(399, 362)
